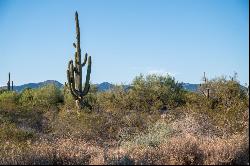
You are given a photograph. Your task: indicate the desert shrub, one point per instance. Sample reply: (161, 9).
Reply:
(3, 90)
(68, 99)
(101, 125)
(155, 135)
(10, 132)
(227, 105)
(226, 93)
(27, 97)
(90, 99)
(9, 100)
(115, 98)
(189, 139)
(153, 92)
(190, 150)
(45, 97)
(148, 94)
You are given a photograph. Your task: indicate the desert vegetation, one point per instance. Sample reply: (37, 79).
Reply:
(154, 121)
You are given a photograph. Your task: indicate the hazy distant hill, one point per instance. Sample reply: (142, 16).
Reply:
(36, 85)
(104, 86)
(101, 87)
(190, 87)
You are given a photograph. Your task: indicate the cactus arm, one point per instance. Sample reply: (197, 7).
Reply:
(71, 79)
(87, 86)
(73, 91)
(85, 60)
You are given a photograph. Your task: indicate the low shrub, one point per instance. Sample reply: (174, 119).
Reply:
(9, 100)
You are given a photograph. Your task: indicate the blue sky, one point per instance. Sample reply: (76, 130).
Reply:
(125, 38)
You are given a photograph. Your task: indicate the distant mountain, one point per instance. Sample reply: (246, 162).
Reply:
(107, 86)
(190, 87)
(35, 85)
(104, 86)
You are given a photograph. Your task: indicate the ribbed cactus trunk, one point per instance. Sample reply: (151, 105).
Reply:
(78, 56)
(74, 72)
(8, 83)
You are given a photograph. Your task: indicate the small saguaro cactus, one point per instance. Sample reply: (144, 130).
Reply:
(74, 72)
(8, 84)
(204, 87)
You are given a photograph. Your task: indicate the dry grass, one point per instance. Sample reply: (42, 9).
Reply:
(189, 139)
(56, 151)
(191, 150)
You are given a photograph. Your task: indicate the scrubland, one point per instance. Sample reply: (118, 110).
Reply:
(127, 126)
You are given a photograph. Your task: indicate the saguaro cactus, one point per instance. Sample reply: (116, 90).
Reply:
(204, 87)
(74, 72)
(8, 84)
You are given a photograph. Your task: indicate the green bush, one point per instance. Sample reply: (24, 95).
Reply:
(90, 99)
(9, 100)
(149, 94)
(27, 97)
(227, 104)
(43, 97)
(47, 96)
(114, 99)
(153, 92)
(68, 99)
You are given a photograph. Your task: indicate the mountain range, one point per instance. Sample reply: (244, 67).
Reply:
(104, 86)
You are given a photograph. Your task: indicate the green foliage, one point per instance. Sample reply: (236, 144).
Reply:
(227, 104)
(148, 94)
(69, 101)
(8, 100)
(116, 98)
(90, 99)
(2, 91)
(153, 92)
(44, 97)
(101, 125)
(27, 97)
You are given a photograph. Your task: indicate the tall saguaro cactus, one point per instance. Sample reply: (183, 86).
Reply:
(74, 72)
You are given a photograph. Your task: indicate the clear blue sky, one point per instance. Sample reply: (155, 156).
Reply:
(124, 38)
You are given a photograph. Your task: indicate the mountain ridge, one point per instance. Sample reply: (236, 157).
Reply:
(104, 86)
